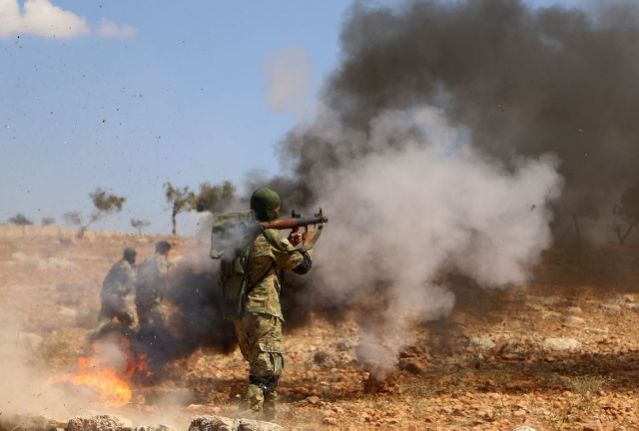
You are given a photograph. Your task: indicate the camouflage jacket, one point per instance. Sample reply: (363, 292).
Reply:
(152, 282)
(119, 281)
(272, 253)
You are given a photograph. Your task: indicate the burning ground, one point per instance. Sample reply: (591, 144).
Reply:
(559, 354)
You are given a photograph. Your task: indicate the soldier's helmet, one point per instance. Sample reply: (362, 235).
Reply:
(265, 204)
(129, 254)
(162, 247)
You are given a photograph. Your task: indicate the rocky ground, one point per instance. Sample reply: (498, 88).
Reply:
(560, 354)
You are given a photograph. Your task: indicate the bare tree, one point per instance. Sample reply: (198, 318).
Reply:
(105, 204)
(139, 224)
(626, 213)
(47, 221)
(180, 200)
(20, 220)
(214, 198)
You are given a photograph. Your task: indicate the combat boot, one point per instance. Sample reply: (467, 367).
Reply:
(252, 402)
(270, 405)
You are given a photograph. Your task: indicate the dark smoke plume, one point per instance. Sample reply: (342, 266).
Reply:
(441, 115)
(525, 81)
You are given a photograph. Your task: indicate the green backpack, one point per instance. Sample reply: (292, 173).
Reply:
(232, 239)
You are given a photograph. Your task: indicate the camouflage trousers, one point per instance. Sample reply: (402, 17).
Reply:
(123, 314)
(118, 309)
(260, 339)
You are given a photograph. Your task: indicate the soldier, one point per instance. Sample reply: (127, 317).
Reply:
(117, 288)
(259, 328)
(151, 285)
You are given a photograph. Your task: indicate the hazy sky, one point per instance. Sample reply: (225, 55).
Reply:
(128, 94)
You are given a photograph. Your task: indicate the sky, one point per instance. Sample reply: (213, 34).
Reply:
(128, 95)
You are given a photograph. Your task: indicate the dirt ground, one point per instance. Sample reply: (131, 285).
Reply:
(560, 354)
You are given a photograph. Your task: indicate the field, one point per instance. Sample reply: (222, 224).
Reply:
(559, 354)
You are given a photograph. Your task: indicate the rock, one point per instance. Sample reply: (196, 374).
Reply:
(524, 428)
(412, 365)
(629, 298)
(611, 308)
(154, 428)
(561, 344)
(31, 423)
(99, 423)
(220, 423)
(574, 321)
(213, 423)
(484, 343)
(313, 399)
(575, 310)
(550, 315)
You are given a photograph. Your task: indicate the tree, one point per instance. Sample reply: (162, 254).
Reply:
(180, 200)
(139, 224)
(20, 220)
(626, 212)
(215, 198)
(47, 221)
(105, 204)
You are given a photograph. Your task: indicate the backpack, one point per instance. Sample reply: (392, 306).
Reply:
(232, 238)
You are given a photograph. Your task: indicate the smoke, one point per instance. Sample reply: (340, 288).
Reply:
(525, 81)
(424, 202)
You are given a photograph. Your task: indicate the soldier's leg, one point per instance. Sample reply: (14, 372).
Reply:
(264, 348)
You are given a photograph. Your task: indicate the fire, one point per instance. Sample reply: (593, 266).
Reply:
(111, 387)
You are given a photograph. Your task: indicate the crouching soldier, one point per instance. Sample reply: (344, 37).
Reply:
(116, 295)
(151, 285)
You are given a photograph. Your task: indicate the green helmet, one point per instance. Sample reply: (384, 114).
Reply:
(265, 202)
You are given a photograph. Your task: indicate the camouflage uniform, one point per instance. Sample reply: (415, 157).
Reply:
(259, 330)
(116, 289)
(151, 284)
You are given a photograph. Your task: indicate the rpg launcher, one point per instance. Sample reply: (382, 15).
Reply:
(296, 221)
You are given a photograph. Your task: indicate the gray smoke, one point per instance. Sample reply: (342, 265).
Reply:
(451, 137)
(525, 81)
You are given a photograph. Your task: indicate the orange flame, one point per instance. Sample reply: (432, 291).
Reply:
(111, 387)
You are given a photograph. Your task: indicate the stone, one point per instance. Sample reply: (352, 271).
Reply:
(220, 423)
(30, 423)
(575, 310)
(313, 399)
(561, 344)
(154, 428)
(574, 321)
(483, 343)
(99, 423)
(524, 428)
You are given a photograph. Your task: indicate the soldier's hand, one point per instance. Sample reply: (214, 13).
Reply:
(308, 236)
(295, 238)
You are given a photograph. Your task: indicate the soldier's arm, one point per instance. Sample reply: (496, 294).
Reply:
(290, 258)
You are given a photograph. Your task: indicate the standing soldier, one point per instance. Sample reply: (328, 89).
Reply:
(151, 285)
(116, 292)
(259, 327)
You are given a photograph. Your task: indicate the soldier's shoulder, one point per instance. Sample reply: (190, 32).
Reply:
(274, 235)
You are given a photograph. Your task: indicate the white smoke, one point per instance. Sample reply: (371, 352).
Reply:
(421, 203)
